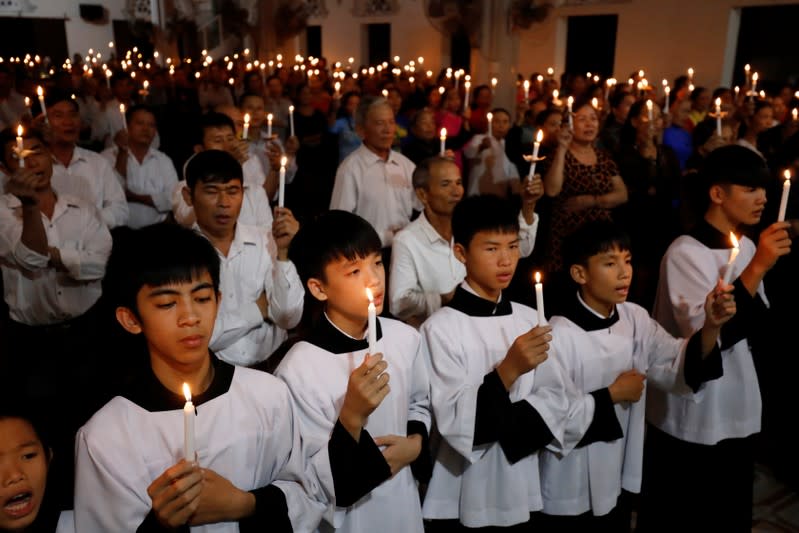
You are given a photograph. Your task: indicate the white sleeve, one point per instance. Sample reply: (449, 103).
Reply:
(87, 259)
(406, 298)
(12, 248)
(661, 356)
(470, 149)
(420, 390)
(688, 285)
(163, 198)
(527, 234)
(183, 212)
(229, 328)
(284, 291)
(115, 205)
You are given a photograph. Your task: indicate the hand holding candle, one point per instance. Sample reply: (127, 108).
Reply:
(786, 190)
(443, 138)
(733, 254)
(372, 322)
(281, 191)
(189, 447)
(539, 300)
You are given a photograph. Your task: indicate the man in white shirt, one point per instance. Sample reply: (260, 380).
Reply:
(81, 172)
(424, 269)
(492, 172)
(262, 295)
(374, 182)
(147, 175)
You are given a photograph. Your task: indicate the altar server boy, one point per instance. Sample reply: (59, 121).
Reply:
(133, 472)
(366, 438)
(497, 400)
(610, 349)
(700, 455)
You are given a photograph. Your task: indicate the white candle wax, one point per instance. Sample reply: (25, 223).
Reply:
(570, 102)
(490, 117)
(372, 323)
(281, 191)
(20, 147)
(466, 86)
(718, 116)
(269, 126)
(40, 92)
(189, 448)
(526, 91)
(124, 120)
(536, 145)
(291, 119)
(786, 190)
(649, 110)
(443, 141)
(668, 93)
(733, 255)
(246, 133)
(539, 300)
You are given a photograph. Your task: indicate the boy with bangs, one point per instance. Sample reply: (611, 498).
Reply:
(248, 470)
(699, 466)
(610, 348)
(366, 440)
(496, 398)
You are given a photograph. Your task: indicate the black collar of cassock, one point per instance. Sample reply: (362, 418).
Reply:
(705, 233)
(588, 320)
(150, 394)
(329, 338)
(473, 305)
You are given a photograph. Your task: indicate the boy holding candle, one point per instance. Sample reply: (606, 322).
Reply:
(496, 398)
(699, 458)
(610, 349)
(130, 472)
(262, 293)
(346, 409)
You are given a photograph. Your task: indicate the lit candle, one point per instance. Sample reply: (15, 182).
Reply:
(539, 300)
(372, 323)
(690, 74)
(718, 116)
(269, 126)
(28, 103)
(443, 140)
(490, 117)
(649, 111)
(550, 72)
(246, 133)
(466, 85)
(20, 147)
(536, 145)
(291, 119)
(555, 99)
(124, 120)
(40, 92)
(189, 449)
(457, 78)
(108, 74)
(733, 255)
(786, 190)
(595, 103)
(526, 91)
(755, 77)
(747, 68)
(493, 85)
(281, 191)
(337, 85)
(570, 103)
(668, 93)
(737, 90)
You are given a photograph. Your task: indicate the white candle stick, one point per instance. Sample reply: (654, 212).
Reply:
(189, 447)
(291, 119)
(372, 323)
(124, 120)
(733, 255)
(539, 300)
(650, 112)
(570, 103)
(786, 190)
(667, 90)
(718, 116)
(40, 92)
(20, 147)
(526, 91)
(281, 191)
(493, 85)
(690, 74)
(466, 85)
(108, 78)
(269, 126)
(747, 68)
(536, 145)
(443, 138)
(490, 117)
(795, 114)
(246, 132)
(755, 77)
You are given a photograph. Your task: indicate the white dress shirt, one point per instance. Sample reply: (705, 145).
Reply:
(380, 191)
(36, 293)
(503, 171)
(241, 336)
(423, 267)
(155, 177)
(89, 176)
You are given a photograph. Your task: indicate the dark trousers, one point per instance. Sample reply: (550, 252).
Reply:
(694, 487)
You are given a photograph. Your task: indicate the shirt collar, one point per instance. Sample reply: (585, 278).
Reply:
(331, 338)
(372, 158)
(587, 318)
(78, 154)
(428, 229)
(468, 302)
(241, 238)
(711, 237)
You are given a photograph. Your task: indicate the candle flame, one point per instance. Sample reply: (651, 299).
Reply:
(246, 118)
(443, 133)
(555, 94)
(539, 136)
(122, 108)
(733, 240)
(665, 82)
(649, 105)
(269, 117)
(718, 102)
(494, 82)
(526, 84)
(291, 109)
(787, 172)
(19, 133)
(40, 91)
(538, 277)
(795, 113)
(755, 76)
(440, 90)
(489, 116)
(284, 161)
(369, 295)
(595, 103)
(187, 392)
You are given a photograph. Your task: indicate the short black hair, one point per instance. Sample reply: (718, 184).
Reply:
(38, 418)
(9, 135)
(213, 119)
(156, 255)
(139, 107)
(56, 96)
(421, 174)
(729, 165)
(212, 166)
(483, 213)
(593, 238)
(250, 95)
(331, 236)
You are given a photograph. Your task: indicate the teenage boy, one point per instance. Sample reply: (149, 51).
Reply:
(496, 398)
(346, 408)
(424, 270)
(492, 171)
(262, 295)
(147, 175)
(217, 132)
(610, 349)
(131, 473)
(699, 463)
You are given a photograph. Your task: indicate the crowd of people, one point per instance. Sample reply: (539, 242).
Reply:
(188, 339)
